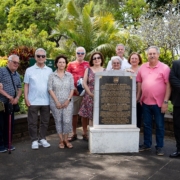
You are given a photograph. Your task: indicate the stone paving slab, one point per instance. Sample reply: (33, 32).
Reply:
(78, 164)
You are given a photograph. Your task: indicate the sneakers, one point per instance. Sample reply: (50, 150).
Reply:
(35, 145)
(44, 143)
(12, 148)
(3, 149)
(159, 152)
(143, 148)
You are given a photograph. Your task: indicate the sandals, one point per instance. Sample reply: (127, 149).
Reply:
(68, 145)
(61, 145)
(72, 138)
(85, 137)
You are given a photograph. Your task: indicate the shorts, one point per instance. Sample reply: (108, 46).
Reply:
(77, 103)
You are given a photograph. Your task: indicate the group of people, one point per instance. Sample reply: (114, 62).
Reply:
(45, 90)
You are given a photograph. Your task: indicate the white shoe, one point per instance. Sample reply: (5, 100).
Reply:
(44, 143)
(35, 145)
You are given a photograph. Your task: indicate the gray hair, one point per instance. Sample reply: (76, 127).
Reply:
(80, 47)
(40, 49)
(120, 45)
(153, 47)
(116, 57)
(12, 56)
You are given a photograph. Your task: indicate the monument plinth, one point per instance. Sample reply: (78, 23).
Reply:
(114, 121)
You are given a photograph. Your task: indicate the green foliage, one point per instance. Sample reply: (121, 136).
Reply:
(27, 12)
(3, 61)
(31, 37)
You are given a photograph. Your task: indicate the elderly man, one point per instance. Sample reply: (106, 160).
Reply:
(77, 69)
(9, 93)
(120, 49)
(153, 83)
(37, 99)
(174, 79)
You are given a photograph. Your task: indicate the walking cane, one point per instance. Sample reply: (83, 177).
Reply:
(10, 110)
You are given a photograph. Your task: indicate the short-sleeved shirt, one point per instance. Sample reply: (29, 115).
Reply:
(37, 79)
(124, 65)
(153, 82)
(5, 79)
(60, 86)
(77, 69)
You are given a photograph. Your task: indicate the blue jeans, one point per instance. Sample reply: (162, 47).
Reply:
(150, 111)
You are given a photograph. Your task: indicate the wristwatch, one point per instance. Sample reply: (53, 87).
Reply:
(165, 102)
(69, 99)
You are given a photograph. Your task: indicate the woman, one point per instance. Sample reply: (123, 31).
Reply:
(116, 63)
(96, 62)
(61, 88)
(135, 60)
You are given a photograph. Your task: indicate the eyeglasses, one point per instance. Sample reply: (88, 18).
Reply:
(38, 56)
(96, 58)
(116, 63)
(16, 63)
(82, 53)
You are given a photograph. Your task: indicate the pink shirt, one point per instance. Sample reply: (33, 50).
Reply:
(154, 82)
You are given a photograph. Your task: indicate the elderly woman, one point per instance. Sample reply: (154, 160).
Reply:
(96, 65)
(135, 60)
(61, 89)
(116, 62)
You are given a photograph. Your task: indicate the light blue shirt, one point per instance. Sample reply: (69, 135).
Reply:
(37, 78)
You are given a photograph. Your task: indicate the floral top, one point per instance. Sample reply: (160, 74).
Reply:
(60, 86)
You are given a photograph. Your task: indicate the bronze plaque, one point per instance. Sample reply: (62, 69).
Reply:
(115, 100)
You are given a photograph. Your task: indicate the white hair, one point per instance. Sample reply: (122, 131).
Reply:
(12, 56)
(80, 47)
(153, 47)
(116, 58)
(120, 45)
(40, 49)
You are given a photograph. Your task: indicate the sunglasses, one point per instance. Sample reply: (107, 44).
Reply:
(16, 63)
(96, 58)
(116, 63)
(38, 56)
(82, 53)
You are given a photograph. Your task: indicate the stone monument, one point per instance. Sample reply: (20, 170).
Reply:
(114, 120)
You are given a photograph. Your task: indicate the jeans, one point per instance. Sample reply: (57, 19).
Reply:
(150, 111)
(139, 114)
(4, 127)
(176, 121)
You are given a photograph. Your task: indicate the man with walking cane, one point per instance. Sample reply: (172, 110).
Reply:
(9, 96)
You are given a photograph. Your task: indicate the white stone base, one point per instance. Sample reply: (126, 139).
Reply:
(111, 140)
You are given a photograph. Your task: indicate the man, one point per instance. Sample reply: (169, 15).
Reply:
(174, 79)
(37, 99)
(77, 68)
(120, 49)
(153, 83)
(9, 93)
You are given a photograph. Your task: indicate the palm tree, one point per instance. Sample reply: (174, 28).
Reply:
(95, 32)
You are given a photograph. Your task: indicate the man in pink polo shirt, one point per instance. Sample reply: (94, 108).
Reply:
(153, 92)
(77, 68)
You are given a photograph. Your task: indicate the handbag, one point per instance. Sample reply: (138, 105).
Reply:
(2, 106)
(80, 86)
(16, 107)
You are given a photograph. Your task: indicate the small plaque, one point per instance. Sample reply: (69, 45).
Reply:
(115, 100)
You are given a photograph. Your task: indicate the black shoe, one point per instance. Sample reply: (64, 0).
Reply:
(144, 148)
(175, 155)
(159, 152)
